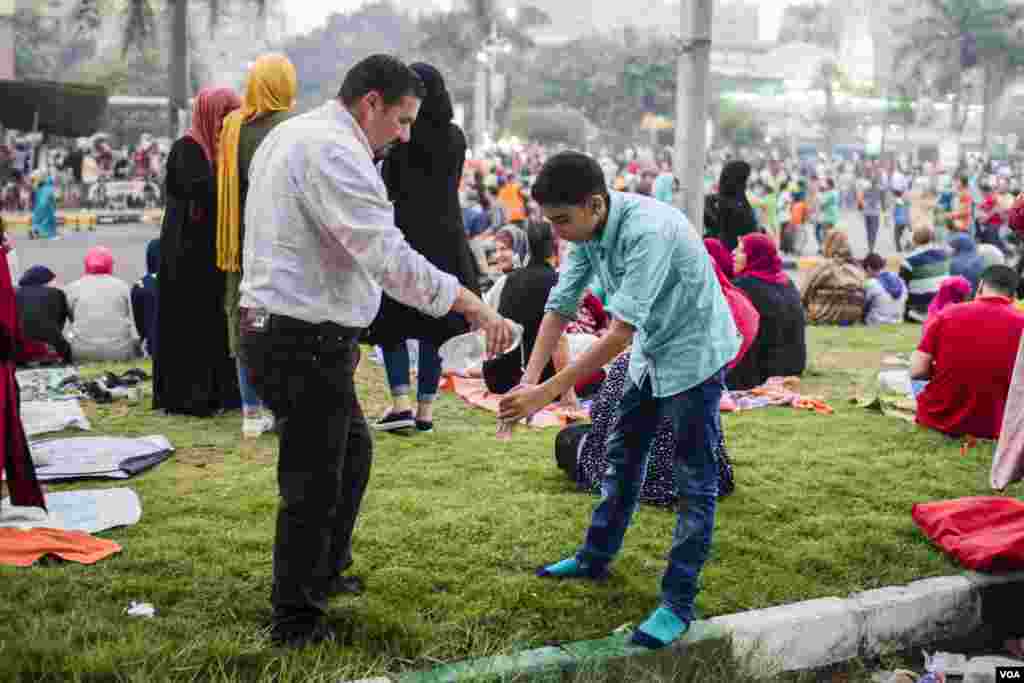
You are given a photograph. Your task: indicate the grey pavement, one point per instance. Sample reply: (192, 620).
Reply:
(66, 256)
(853, 223)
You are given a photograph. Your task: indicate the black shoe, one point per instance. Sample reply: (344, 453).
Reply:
(424, 426)
(301, 634)
(346, 585)
(395, 420)
(97, 392)
(138, 373)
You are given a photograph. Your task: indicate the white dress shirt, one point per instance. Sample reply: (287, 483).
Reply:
(320, 237)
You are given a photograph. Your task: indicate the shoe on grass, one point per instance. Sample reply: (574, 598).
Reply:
(255, 426)
(395, 420)
(424, 426)
(302, 634)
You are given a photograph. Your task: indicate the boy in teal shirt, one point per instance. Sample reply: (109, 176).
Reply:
(666, 302)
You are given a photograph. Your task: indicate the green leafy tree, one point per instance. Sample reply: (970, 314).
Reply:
(815, 22)
(932, 35)
(322, 57)
(739, 126)
(140, 29)
(451, 41)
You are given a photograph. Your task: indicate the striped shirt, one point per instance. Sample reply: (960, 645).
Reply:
(924, 271)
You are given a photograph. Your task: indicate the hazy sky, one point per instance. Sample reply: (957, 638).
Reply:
(306, 16)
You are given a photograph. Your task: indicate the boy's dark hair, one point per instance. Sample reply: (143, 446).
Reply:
(387, 75)
(540, 242)
(985, 188)
(830, 183)
(568, 179)
(874, 262)
(1003, 279)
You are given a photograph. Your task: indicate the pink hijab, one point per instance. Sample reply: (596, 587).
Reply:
(208, 112)
(954, 290)
(99, 261)
(763, 260)
(721, 256)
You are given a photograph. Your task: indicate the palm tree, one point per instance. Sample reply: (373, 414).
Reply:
(934, 33)
(140, 26)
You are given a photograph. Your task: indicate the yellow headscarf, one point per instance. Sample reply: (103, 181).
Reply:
(272, 85)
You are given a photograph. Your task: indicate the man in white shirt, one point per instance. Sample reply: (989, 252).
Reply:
(320, 246)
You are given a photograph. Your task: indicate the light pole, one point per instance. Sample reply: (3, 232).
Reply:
(692, 106)
(483, 97)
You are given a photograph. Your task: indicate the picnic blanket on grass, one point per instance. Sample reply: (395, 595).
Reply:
(24, 547)
(776, 391)
(474, 392)
(983, 533)
(46, 384)
(90, 511)
(43, 417)
(98, 457)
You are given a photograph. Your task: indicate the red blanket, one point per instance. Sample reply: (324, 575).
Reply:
(984, 533)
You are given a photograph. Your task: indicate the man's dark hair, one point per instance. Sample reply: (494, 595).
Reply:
(874, 261)
(831, 183)
(568, 179)
(1002, 279)
(387, 75)
(541, 242)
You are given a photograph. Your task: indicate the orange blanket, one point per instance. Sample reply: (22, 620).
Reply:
(22, 548)
(474, 392)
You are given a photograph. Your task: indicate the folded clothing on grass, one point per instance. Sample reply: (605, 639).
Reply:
(983, 533)
(102, 457)
(44, 417)
(24, 547)
(90, 511)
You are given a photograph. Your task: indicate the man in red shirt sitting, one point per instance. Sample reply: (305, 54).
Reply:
(967, 353)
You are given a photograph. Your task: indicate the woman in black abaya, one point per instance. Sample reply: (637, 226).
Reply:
(193, 372)
(422, 177)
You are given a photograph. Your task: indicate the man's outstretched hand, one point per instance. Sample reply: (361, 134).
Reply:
(522, 402)
(497, 330)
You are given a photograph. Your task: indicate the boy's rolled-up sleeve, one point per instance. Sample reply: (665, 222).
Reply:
(564, 298)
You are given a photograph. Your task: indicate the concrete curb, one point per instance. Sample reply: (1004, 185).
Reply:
(800, 636)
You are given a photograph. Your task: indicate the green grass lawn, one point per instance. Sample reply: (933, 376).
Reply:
(454, 524)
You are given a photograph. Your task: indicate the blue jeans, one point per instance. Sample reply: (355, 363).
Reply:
(250, 399)
(396, 363)
(696, 423)
(871, 226)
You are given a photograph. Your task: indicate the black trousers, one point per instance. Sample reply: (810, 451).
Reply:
(305, 374)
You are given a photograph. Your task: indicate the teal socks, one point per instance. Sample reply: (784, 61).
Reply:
(571, 568)
(660, 629)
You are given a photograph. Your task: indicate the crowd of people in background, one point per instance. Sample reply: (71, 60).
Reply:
(500, 223)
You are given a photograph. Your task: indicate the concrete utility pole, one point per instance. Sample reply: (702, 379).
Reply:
(7, 58)
(479, 107)
(692, 106)
(180, 76)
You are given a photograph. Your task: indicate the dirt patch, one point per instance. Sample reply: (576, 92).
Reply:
(200, 456)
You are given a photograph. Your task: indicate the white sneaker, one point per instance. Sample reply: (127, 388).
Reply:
(254, 427)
